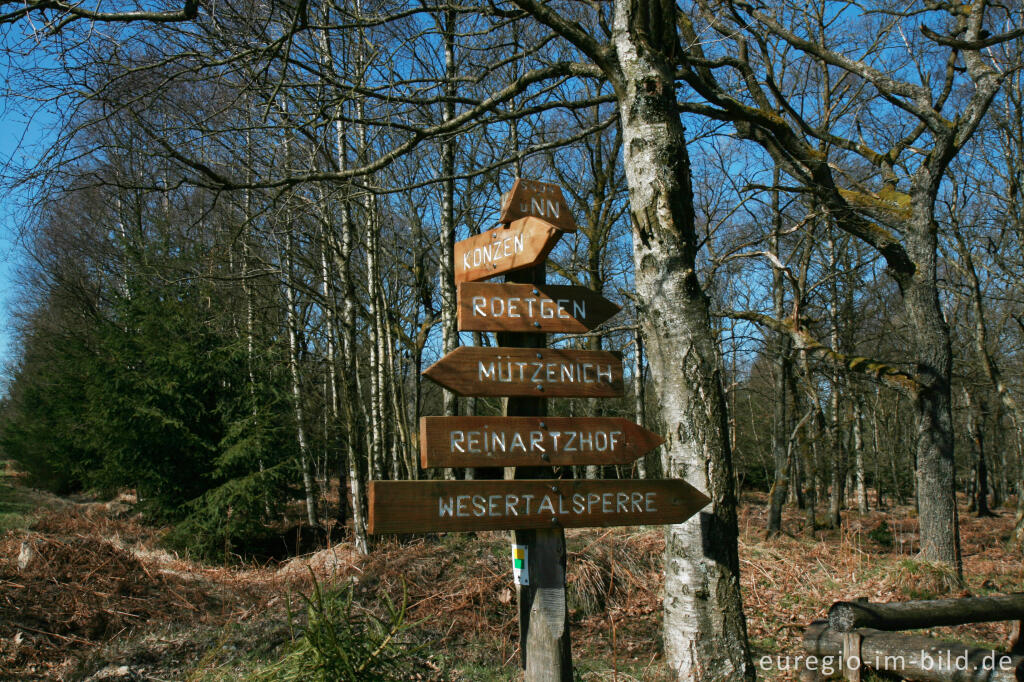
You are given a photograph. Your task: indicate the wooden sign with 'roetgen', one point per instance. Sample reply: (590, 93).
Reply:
(523, 244)
(426, 506)
(531, 441)
(535, 372)
(495, 307)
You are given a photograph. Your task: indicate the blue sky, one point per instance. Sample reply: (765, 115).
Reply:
(20, 138)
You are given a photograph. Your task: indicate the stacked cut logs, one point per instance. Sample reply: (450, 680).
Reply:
(860, 635)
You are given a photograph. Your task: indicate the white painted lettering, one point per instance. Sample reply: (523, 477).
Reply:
(443, 509)
(482, 371)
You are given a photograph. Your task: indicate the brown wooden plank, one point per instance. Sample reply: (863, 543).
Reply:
(523, 244)
(539, 199)
(496, 307)
(531, 441)
(427, 506)
(536, 372)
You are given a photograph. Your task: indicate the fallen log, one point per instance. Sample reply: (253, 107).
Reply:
(846, 616)
(913, 657)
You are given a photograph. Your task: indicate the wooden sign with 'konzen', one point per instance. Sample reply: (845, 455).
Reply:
(531, 441)
(494, 307)
(538, 199)
(523, 244)
(536, 372)
(426, 506)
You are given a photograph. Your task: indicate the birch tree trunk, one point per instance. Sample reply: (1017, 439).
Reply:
(293, 368)
(705, 631)
(780, 423)
(449, 323)
(858, 459)
(639, 397)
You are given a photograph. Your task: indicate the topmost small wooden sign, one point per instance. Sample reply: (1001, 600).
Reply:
(538, 199)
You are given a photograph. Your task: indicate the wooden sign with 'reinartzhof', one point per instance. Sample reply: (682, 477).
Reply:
(531, 441)
(427, 506)
(523, 244)
(533, 372)
(494, 307)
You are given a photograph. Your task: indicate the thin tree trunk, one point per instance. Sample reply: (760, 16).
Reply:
(449, 324)
(638, 394)
(860, 485)
(780, 422)
(293, 367)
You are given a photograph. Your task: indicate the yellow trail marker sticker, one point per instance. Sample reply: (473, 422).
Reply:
(520, 570)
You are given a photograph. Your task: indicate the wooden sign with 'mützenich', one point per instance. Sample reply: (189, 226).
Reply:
(535, 372)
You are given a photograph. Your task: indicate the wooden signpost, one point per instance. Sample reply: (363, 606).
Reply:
(495, 307)
(535, 506)
(523, 244)
(428, 506)
(538, 199)
(531, 441)
(538, 372)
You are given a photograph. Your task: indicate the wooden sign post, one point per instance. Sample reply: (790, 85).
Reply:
(535, 506)
(531, 441)
(445, 506)
(487, 307)
(533, 371)
(539, 199)
(523, 244)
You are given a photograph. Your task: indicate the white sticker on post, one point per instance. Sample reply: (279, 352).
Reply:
(520, 567)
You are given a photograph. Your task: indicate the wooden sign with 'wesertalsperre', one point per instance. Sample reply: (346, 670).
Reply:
(429, 506)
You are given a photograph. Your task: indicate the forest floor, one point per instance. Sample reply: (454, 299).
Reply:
(86, 594)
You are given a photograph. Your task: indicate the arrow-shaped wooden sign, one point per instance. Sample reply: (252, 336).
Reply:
(531, 441)
(493, 307)
(426, 506)
(536, 372)
(538, 199)
(523, 244)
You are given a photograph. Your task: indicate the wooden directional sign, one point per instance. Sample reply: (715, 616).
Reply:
(535, 372)
(539, 199)
(425, 506)
(523, 244)
(531, 441)
(492, 307)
